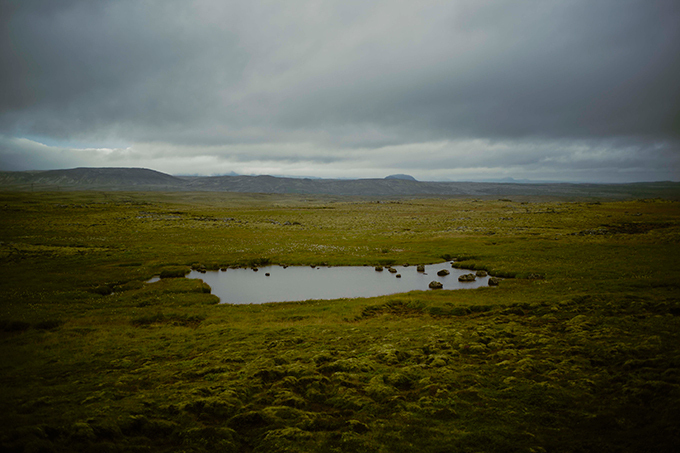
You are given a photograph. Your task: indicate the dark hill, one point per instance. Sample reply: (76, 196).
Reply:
(94, 178)
(142, 179)
(407, 188)
(401, 176)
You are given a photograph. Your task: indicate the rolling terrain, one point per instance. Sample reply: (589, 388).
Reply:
(576, 350)
(140, 179)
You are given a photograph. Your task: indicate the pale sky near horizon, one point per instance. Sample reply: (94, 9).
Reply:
(562, 90)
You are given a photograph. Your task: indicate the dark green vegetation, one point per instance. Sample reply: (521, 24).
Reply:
(578, 349)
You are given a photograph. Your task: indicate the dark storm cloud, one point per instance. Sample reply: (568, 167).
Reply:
(97, 67)
(532, 85)
(529, 68)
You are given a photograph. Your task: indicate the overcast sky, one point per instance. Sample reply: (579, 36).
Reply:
(572, 90)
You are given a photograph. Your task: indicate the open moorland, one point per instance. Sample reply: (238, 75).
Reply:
(577, 349)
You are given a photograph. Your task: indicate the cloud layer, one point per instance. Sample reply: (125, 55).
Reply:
(440, 89)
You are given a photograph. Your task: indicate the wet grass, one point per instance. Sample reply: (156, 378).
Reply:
(576, 350)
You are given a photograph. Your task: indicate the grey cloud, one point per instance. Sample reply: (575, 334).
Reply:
(323, 81)
(573, 70)
(583, 160)
(105, 66)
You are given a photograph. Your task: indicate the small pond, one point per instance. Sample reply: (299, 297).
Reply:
(296, 283)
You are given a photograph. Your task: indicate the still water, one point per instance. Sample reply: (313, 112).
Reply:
(295, 283)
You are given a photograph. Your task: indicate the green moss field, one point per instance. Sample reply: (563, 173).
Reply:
(576, 350)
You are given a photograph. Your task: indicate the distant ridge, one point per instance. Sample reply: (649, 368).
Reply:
(87, 178)
(400, 176)
(143, 179)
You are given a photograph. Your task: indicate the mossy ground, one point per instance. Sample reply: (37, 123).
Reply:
(580, 351)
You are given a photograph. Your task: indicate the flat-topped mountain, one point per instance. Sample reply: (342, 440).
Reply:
(401, 176)
(142, 179)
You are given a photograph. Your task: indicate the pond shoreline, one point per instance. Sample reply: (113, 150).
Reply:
(275, 283)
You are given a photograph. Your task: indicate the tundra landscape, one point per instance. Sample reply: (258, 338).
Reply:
(340, 226)
(577, 348)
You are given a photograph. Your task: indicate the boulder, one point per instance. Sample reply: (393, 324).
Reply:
(379, 268)
(435, 285)
(443, 273)
(420, 268)
(467, 278)
(481, 273)
(398, 275)
(494, 281)
(392, 270)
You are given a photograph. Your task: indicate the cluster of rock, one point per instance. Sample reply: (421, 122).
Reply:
(286, 223)
(493, 281)
(390, 269)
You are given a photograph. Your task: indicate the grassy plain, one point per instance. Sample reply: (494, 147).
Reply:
(578, 349)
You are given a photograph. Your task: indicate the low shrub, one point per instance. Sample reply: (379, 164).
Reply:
(173, 319)
(465, 257)
(502, 274)
(530, 276)
(257, 262)
(128, 286)
(13, 326)
(395, 307)
(49, 324)
(102, 290)
(175, 272)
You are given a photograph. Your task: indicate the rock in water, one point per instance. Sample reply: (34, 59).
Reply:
(494, 281)
(467, 278)
(443, 273)
(435, 285)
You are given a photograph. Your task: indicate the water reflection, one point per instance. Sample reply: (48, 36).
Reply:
(279, 284)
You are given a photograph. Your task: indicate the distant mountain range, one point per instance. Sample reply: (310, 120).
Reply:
(142, 179)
